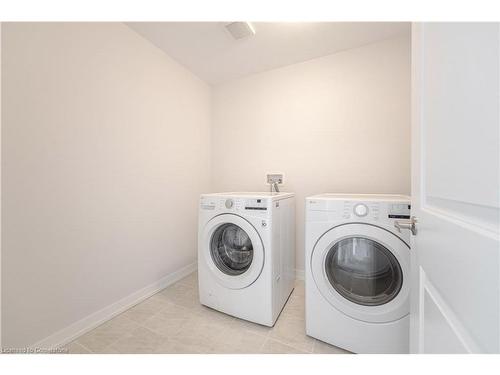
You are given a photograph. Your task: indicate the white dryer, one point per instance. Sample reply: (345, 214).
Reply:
(246, 253)
(358, 272)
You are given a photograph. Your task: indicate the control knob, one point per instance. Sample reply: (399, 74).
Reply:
(229, 203)
(361, 209)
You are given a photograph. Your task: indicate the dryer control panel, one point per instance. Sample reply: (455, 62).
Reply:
(354, 210)
(361, 210)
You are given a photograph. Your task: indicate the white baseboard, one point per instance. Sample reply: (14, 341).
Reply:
(90, 322)
(299, 274)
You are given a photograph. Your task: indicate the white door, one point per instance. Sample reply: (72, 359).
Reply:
(455, 188)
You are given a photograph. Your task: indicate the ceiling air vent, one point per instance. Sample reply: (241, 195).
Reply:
(240, 30)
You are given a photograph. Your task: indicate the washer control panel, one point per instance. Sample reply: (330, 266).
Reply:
(256, 204)
(217, 203)
(208, 203)
(399, 211)
(230, 204)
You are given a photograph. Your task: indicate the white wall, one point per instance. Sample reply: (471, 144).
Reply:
(340, 123)
(105, 149)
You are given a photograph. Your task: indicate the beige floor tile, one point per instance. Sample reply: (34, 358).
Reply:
(299, 289)
(236, 341)
(107, 333)
(181, 294)
(275, 347)
(191, 280)
(246, 326)
(321, 347)
(295, 307)
(291, 330)
(170, 321)
(146, 309)
(174, 346)
(140, 340)
(214, 315)
(108, 350)
(203, 333)
(76, 348)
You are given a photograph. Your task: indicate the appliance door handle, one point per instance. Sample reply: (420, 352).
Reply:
(410, 224)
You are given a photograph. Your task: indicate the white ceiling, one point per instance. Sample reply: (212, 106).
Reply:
(210, 52)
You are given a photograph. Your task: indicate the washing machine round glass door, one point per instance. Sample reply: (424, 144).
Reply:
(233, 250)
(362, 270)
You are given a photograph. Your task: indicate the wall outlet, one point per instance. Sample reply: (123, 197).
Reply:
(275, 178)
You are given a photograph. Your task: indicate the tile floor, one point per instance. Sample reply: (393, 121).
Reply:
(173, 321)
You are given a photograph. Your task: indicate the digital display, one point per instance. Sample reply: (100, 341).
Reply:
(399, 211)
(255, 204)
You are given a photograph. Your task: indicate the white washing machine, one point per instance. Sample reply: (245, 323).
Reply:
(246, 253)
(358, 272)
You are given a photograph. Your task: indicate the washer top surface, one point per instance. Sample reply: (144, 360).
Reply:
(259, 195)
(362, 197)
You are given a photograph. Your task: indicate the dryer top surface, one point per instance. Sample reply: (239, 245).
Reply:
(259, 195)
(362, 197)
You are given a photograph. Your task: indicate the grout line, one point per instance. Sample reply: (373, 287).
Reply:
(290, 345)
(141, 324)
(83, 346)
(114, 341)
(261, 348)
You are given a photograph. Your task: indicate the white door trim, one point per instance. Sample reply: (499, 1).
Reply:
(426, 286)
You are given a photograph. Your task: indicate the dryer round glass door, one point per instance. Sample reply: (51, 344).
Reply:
(231, 249)
(363, 271)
